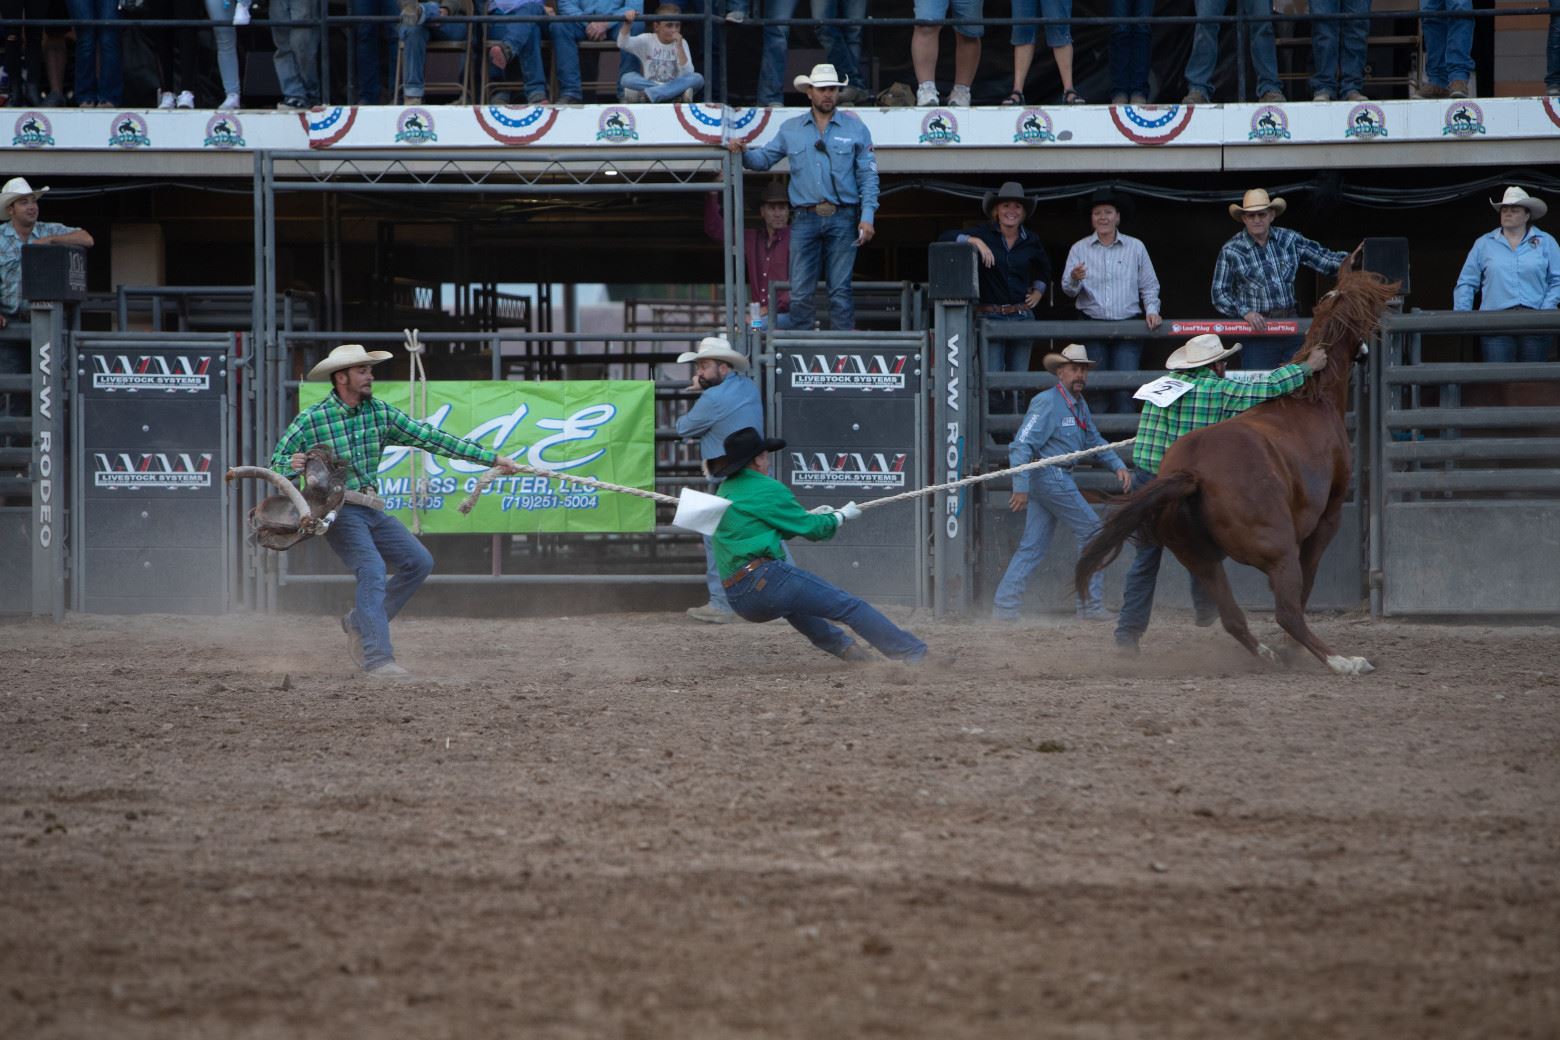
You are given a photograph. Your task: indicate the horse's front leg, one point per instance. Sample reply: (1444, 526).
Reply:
(1289, 589)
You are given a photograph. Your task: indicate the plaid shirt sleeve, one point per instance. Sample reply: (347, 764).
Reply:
(400, 428)
(309, 428)
(1317, 256)
(1236, 395)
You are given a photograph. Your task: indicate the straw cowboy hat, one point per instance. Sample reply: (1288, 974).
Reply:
(821, 76)
(715, 348)
(1199, 351)
(1107, 197)
(18, 188)
(1255, 201)
(1514, 197)
(1011, 191)
(1072, 354)
(743, 447)
(347, 355)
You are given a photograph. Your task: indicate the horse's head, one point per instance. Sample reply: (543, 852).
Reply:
(1342, 324)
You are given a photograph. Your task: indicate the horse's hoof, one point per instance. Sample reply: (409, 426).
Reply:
(1350, 665)
(1266, 653)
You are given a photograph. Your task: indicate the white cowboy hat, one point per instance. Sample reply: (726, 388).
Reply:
(1072, 354)
(1255, 201)
(821, 76)
(1515, 197)
(16, 188)
(715, 348)
(1199, 351)
(346, 356)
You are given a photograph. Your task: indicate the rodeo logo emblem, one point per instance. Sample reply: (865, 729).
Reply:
(224, 131)
(1366, 122)
(939, 127)
(616, 124)
(415, 126)
(128, 130)
(33, 131)
(1034, 127)
(1269, 123)
(1463, 119)
(825, 469)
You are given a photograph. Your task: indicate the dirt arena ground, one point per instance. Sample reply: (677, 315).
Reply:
(634, 826)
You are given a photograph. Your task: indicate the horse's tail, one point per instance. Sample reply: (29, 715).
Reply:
(1132, 514)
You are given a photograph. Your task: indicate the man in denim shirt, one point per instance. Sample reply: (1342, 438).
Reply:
(1057, 423)
(834, 194)
(729, 401)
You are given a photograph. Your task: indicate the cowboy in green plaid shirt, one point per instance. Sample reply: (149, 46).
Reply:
(356, 427)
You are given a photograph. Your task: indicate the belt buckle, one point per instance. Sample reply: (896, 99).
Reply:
(825, 209)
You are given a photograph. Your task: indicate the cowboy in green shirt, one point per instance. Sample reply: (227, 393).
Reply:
(1194, 395)
(762, 585)
(356, 427)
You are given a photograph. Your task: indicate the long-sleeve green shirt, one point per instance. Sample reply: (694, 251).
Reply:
(1212, 398)
(763, 512)
(359, 435)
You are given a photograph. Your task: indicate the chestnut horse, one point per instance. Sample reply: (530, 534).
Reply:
(1265, 488)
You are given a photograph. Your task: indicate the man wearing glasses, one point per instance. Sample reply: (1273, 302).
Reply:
(833, 191)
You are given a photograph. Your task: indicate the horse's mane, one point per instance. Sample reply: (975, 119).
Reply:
(1344, 318)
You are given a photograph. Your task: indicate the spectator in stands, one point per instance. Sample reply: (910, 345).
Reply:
(1113, 279)
(566, 37)
(1448, 51)
(1514, 267)
(1129, 52)
(177, 77)
(523, 40)
(766, 251)
(1254, 278)
(227, 54)
(842, 44)
(22, 40)
(1057, 423)
(1014, 271)
(924, 44)
(1057, 37)
(776, 43)
(1339, 71)
(834, 191)
(424, 21)
(663, 53)
(1204, 60)
(297, 53)
(99, 66)
(368, 45)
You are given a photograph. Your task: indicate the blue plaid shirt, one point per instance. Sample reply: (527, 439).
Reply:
(11, 261)
(1249, 277)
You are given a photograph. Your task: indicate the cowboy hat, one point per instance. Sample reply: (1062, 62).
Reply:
(1199, 351)
(348, 355)
(16, 188)
(1255, 201)
(743, 447)
(1072, 354)
(821, 76)
(1514, 197)
(774, 191)
(1107, 197)
(1011, 191)
(715, 348)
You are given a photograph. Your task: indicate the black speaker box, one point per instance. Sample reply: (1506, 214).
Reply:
(51, 272)
(1387, 257)
(952, 269)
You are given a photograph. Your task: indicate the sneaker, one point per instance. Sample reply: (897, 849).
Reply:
(411, 13)
(712, 615)
(1195, 97)
(1457, 88)
(1139, 99)
(959, 97)
(1355, 95)
(297, 104)
(1272, 97)
(1322, 95)
(185, 100)
(388, 670)
(229, 104)
(165, 99)
(926, 94)
(855, 653)
(354, 639)
(241, 14)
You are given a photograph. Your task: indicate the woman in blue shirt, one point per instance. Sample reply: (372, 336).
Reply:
(1514, 266)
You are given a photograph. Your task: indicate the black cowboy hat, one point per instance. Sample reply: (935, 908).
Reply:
(774, 191)
(743, 447)
(1011, 191)
(1107, 197)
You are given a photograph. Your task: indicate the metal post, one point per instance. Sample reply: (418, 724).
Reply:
(952, 456)
(1240, 52)
(48, 460)
(325, 51)
(1377, 363)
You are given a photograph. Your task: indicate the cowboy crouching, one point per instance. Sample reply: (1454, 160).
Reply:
(1058, 422)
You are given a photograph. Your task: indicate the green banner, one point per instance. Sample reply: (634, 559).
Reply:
(589, 428)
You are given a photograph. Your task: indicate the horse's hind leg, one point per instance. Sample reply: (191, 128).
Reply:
(1217, 584)
(1289, 588)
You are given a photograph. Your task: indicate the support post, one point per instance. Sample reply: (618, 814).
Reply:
(48, 460)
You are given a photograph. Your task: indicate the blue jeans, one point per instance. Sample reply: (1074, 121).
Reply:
(657, 91)
(808, 603)
(227, 45)
(1205, 44)
(368, 44)
(1114, 355)
(1053, 496)
(367, 541)
(1338, 73)
(1526, 346)
(1055, 35)
(523, 40)
(827, 246)
(566, 37)
(929, 10)
(1129, 54)
(771, 69)
(414, 47)
(95, 46)
(843, 42)
(1008, 355)
(297, 50)
(1448, 43)
(1137, 592)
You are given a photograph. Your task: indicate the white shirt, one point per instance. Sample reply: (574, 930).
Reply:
(663, 62)
(1119, 280)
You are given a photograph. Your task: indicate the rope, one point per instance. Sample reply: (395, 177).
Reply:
(487, 478)
(418, 410)
(1054, 460)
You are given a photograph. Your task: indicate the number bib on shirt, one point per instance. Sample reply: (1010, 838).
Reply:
(1163, 392)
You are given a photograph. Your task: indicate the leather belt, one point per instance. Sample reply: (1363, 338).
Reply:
(1002, 308)
(823, 209)
(362, 498)
(743, 571)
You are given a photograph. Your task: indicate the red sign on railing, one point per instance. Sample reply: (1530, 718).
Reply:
(1230, 327)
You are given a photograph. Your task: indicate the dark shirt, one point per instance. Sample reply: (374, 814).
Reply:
(767, 259)
(1016, 271)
